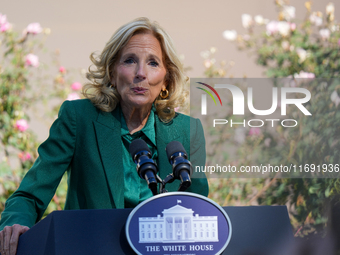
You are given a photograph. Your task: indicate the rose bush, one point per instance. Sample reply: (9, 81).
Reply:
(19, 70)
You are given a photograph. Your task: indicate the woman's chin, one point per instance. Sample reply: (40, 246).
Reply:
(138, 103)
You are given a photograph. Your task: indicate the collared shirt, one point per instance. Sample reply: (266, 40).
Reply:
(136, 189)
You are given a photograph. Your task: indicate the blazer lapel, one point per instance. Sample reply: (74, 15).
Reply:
(108, 134)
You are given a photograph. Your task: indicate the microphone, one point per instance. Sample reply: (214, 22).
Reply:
(181, 166)
(146, 167)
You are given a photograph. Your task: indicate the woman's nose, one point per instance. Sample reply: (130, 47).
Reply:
(141, 72)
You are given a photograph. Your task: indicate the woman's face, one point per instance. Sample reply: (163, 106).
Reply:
(139, 74)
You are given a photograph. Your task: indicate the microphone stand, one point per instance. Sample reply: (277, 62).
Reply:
(169, 179)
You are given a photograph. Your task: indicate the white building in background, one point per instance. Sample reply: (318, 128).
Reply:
(178, 224)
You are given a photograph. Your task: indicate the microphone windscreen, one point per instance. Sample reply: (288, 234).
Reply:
(174, 147)
(137, 146)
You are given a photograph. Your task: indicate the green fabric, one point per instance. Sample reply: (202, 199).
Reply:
(86, 143)
(136, 189)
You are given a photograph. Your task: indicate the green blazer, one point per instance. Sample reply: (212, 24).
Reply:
(85, 142)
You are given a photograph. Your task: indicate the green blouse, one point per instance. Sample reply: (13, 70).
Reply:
(136, 189)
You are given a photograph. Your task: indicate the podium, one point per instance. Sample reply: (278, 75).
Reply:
(255, 230)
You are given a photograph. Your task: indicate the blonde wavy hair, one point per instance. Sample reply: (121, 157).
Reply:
(106, 98)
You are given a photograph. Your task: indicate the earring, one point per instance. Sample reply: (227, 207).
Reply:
(164, 93)
(112, 86)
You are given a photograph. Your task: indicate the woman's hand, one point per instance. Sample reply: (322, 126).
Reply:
(9, 238)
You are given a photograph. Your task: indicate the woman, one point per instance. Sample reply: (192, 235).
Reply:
(137, 83)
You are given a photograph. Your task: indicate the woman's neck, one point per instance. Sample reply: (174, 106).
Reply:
(135, 118)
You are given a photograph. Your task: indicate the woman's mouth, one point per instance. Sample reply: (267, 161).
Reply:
(139, 90)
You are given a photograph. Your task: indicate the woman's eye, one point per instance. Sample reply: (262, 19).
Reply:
(129, 61)
(154, 63)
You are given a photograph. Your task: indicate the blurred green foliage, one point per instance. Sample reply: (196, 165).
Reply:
(305, 49)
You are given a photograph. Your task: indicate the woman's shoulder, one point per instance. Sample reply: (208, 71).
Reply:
(185, 118)
(80, 106)
(186, 124)
(80, 103)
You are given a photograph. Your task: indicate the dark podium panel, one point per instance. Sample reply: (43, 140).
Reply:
(255, 230)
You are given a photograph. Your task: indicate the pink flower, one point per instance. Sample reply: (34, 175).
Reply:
(21, 125)
(254, 131)
(4, 27)
(292, 26)
(34, 28)
(32, 60)
(62, 69)
(304, 75)
(325, 33)
(76, 86)
(272, 27)
(3, 19)
(176, 109)
(73, 96)
(24, 156)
